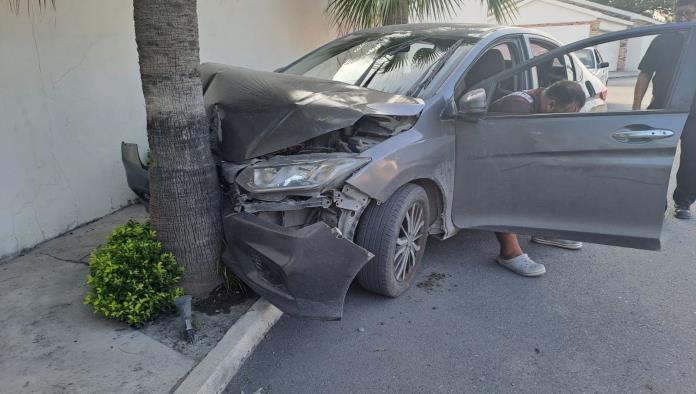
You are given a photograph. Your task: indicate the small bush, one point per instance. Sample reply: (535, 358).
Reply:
(131, 278)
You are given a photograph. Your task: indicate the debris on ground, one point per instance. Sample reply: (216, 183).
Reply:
(433, 280)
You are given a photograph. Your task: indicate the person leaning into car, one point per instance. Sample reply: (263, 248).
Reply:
(560, 97)
(658, 65)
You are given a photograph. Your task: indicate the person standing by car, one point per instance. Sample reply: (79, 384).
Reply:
(560, 97)
(658, 65)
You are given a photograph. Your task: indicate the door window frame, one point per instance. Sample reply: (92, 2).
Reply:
(680, 96)
(549, 45)
(519, 57)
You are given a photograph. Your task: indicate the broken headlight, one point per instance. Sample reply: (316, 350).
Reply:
(299, 172)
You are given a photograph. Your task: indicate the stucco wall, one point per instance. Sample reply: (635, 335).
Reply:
(70, 93)
(538, 12)
(261, 34)
(636, 49)
(567, 34)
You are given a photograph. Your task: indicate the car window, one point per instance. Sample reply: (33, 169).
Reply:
(599, 56)
(502, 56)
(391, 63)
(560, 68)
(657, 55)
(587, 57)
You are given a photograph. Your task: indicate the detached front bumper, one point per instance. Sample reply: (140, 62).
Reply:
(304, 272)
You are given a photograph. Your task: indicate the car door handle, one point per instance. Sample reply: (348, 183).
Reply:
(639, 136)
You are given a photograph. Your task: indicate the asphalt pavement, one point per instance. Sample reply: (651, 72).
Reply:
(603, 319)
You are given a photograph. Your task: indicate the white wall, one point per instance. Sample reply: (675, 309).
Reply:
(261, 34)
(636, 49)
(567, 34)
(70, 93)
(539, 12)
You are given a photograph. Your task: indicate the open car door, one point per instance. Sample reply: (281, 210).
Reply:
(598, 177)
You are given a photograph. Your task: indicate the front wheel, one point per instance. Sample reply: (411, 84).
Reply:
(396, 232)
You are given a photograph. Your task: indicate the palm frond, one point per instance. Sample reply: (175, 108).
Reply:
(425, 56)
(504, 11)
(350, 15)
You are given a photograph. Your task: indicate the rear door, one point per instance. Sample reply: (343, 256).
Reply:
(596, 177)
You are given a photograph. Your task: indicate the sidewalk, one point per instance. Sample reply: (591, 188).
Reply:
(51, 342)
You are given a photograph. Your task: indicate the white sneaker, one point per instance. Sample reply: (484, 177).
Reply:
(522, 265)
(559, 243)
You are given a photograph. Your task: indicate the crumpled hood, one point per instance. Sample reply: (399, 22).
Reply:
(263, 112)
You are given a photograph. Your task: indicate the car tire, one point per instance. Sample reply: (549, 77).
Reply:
(391, 232)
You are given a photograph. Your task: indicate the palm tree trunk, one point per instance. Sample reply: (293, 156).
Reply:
(398, 14)
(185, 199)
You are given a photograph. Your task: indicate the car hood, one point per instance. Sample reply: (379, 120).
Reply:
(262, 112)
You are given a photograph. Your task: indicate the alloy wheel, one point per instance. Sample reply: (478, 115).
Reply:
(410, 241)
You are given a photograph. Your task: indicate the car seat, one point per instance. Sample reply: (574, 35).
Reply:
(491, 63)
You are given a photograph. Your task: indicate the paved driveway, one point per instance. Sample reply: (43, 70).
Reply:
(603, 319)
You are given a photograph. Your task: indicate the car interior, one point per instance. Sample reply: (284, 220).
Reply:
(507, 55)
(494, 61)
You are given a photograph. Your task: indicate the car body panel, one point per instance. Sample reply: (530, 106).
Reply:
(565, 176)
(262, 112)
(305, 272)
(136, 173)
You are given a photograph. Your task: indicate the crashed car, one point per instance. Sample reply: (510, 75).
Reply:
(342, 164)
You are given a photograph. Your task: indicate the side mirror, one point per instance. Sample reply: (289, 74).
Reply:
(473, 104)
(604, 65)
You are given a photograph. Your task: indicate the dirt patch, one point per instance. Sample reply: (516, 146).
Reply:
(433, 280)
(221, 299)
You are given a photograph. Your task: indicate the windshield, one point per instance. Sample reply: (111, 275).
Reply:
(586, 56)
(393, 63)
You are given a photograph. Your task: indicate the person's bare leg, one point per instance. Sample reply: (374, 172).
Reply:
(509, 245)
(513, 258)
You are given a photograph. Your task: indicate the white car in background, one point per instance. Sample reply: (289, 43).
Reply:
(592, 59)
(595, 88)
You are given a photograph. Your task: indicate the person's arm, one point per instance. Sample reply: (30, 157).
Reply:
(641, 87)
(648, 66)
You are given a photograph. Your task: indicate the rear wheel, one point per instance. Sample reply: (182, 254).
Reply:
(396, 232)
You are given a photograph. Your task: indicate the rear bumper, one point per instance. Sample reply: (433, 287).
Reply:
(304, 272)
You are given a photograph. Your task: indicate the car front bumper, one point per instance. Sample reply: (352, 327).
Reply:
(303, 271)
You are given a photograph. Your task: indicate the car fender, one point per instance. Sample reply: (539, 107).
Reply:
(405, 158)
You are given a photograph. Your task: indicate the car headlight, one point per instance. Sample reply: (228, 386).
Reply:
(299, 172)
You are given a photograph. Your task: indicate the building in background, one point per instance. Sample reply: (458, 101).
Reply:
(573, 20)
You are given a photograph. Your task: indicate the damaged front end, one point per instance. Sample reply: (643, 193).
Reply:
(289, 223)
(285, 145)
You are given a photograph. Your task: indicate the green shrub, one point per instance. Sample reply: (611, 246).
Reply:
(131, 278)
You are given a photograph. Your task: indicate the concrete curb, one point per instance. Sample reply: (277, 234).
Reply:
(218, 368)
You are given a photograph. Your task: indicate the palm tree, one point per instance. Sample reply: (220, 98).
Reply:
(184, 191)
(361, 14)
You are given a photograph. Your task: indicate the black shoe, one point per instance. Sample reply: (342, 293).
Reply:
(682, 213)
